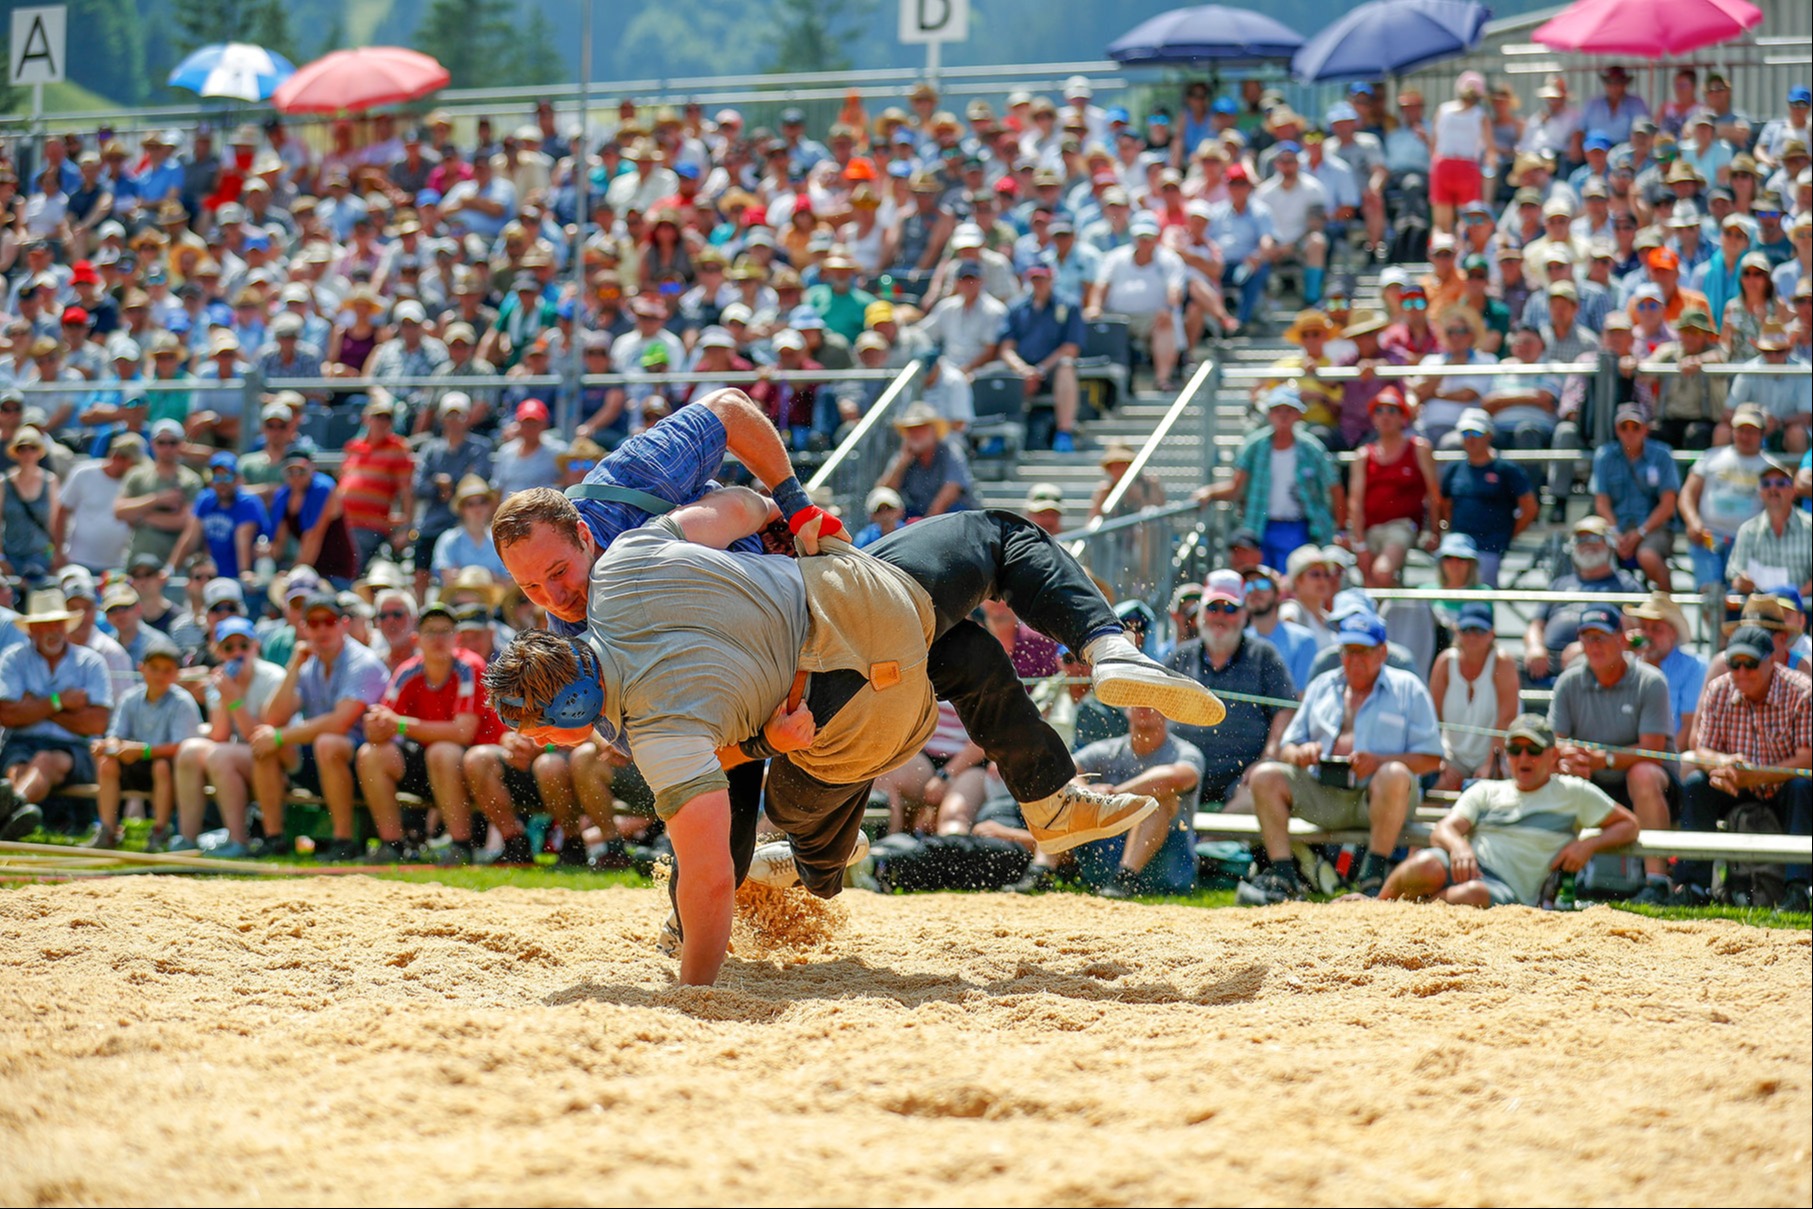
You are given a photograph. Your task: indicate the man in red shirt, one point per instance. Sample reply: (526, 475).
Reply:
(416, 737)
(376, 495)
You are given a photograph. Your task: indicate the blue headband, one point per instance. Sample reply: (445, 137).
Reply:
(580, 703)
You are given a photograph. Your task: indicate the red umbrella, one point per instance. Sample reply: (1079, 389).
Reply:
(1647, 29)
(359, 79)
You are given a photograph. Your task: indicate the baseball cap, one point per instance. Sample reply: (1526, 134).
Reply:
(409, 311)
(1476, 615)
(1244, 539)
(303, 581)
(1748, 415)
(1603, 618)
(473, 617)
(532, 409)
(1594, 526)
(118, 596)
(1751, 640)
(1458, 545)
(438, 609)
(1361, 629)
(77, 583)
(1532, 727)
(1225, 586)
(221, 590)
(882, 497)
(167, 428)
(1286, 395)
(1143, 226)
(229, 627)
(1474, 422)
(224, 460)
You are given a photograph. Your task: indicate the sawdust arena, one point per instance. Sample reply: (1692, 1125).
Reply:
(354, 1040)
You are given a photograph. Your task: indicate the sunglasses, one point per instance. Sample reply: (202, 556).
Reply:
(225, 606)
(1649, 306)
(1743, 663)
(390, 615)
(1460, 331)
(321, 622)
(1776, 482)
(1316, 573)
(10, 407)
(167, 441)
(235, 648)
(1226, 608)
(1523, 749)
(442, 632)
(1415, 304)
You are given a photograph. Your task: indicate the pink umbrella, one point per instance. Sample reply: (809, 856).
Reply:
(1647, 29)
(359, 79)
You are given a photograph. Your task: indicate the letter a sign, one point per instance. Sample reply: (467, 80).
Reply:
(934, 21)
(38, 44)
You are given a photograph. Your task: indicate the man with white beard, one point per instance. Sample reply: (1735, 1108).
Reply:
(1223, 656)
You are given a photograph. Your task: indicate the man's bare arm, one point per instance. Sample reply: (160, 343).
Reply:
(700, 831)
(724, 517)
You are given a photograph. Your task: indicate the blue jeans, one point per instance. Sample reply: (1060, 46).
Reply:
(1251, 291)
(1279, 538)
(1523, 434)
(1488, 568)
(1709, 565)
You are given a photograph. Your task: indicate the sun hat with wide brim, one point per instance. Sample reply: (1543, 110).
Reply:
(921, 415)
(1661, 607)
(474, 579)
(1309, 321)
(47, 606)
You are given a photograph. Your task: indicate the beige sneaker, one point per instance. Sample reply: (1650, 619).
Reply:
(1128, 682)
(1077, 814)
(772, 865)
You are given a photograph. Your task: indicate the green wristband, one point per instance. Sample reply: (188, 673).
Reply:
(56, 702)
(402, 728)
(147, 751)
(277, 736)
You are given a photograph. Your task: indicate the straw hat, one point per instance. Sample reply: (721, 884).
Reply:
(1661, 607)
(470, 486)
(1362, 322)
(382, 576)
(921, 414)
(474, 579)
(1117, 452)
(1759, 610)
(1308, 321)
(45, 607)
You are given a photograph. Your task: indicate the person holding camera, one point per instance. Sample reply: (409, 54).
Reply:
(1350, 759)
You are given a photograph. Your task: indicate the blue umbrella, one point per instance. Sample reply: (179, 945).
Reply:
(1208, 31)
(1386, 37)
(233, 69)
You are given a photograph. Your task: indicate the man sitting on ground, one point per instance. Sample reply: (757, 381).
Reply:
(1351, 758)
(1502, 840)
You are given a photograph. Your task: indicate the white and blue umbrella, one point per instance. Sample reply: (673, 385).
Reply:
(233, 69)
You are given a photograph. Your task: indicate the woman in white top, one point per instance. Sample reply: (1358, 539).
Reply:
(1472, 688)
(1461, 142)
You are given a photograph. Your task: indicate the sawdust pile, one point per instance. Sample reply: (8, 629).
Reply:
(348, 1040)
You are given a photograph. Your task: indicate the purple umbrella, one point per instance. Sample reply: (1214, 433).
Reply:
(1208, 31)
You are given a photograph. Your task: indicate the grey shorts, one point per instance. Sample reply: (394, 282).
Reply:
(1497, 889)
(1401, 533)
(1335, 809)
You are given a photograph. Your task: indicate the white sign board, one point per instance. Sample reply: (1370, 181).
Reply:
(38, 41)
(934, 21)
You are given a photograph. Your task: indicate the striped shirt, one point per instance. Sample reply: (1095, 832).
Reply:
(1766, 734)
(372, 480)
(1759, 545)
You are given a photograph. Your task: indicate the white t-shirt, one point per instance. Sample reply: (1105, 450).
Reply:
(1136, 289)
(1290, 207)
(1459, 132)
(94, 538)
(1516, 835)
(1729, 495)
(1281, 504)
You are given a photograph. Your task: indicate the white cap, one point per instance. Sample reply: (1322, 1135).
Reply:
(456, 400)
(409, 311)
(716, 337)
(737, 312)
(295, 291)
(967, 235)
(1474, 420)
(221, 590)
(788, 338)
(1078, 86)
(883, 497)
(1198, 208)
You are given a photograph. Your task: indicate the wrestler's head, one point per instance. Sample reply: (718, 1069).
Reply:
(548, 551)
(548, 688)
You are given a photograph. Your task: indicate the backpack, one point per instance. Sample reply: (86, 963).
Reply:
(1740, 883)
(1610, 876)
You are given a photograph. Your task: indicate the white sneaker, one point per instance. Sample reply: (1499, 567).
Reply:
(667, 943)
(1123, 681)
(773, 866)
(1078, 814)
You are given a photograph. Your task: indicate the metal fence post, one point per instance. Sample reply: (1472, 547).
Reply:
(251, 394)
(1603, 401)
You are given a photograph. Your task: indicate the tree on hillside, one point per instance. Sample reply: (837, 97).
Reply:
(261, 22)
(814, 35)
(538, 59)
(475, 40)
(107, 45)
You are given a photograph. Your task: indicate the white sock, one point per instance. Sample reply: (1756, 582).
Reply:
(1111, 646)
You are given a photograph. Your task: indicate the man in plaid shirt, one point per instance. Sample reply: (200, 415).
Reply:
(1756, 716)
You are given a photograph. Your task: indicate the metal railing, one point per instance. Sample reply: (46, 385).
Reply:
(863, 455)
(1141, 555)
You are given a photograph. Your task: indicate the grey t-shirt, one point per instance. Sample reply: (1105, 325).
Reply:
(357, 675)
(697, 647)
(1636, 705)
(170, 719)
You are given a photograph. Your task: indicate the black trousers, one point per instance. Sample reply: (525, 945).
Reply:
(1704, 807)
(960, 560)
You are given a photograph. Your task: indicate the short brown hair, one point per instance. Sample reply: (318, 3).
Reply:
(516, 520)
(532, 669)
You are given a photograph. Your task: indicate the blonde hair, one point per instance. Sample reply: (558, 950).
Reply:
(533, 669)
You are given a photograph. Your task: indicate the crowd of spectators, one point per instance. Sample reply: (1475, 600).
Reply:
(411, 280)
